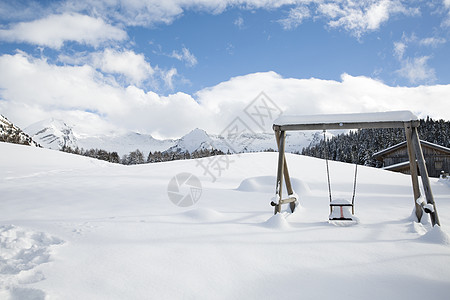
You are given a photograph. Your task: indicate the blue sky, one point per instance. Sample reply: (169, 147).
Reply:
(117, 63)
(239, 42)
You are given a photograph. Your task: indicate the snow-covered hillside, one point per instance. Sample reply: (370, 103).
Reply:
(54, 134)
(13, 134)
(72, 227)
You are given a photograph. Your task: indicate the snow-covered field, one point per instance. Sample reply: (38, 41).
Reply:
(77, 228)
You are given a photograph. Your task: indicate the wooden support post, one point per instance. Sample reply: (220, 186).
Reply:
(287, 178)
(281, 137)
(413, 171)
(424, 175)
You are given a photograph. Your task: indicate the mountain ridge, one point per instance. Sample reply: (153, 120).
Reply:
(10, 133)
(56, 134)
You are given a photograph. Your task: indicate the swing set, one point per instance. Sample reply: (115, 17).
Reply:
(339, 208)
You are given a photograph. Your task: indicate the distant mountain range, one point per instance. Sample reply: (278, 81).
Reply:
(56, 134)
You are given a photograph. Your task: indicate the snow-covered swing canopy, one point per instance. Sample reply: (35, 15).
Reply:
(391, 119)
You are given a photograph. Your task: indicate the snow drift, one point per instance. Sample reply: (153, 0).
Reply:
(72, 227)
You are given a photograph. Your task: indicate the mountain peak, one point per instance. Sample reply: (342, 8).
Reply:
(52, 133)
(196, 133)
(196, 139)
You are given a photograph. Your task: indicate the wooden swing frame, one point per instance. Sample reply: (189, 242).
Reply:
(395, 119)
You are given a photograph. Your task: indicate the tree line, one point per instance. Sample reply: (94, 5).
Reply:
(359, 146)
(137, 157)
(352, 147)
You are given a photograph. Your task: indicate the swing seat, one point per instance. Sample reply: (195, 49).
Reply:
(341, 210)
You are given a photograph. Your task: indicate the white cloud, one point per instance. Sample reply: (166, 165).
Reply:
(316, 96)
(168, 77)
(399, 49)
(295, 17)
(432, 41)
(239, 22)
(21, 10)
(359, 17)
(446, 21)
(417, 70)
(186, 56)
(124, 67)
(149, 12)
(54, 30)
(131, 65)
(33, 89)
(36, 82)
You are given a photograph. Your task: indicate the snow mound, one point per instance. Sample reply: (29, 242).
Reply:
(21, 252)
(444, 180)
(345, 223)
(436, 236)
(266, 184)
(204, 215)
(277, 221)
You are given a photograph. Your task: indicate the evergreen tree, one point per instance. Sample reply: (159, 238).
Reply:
(361, 145)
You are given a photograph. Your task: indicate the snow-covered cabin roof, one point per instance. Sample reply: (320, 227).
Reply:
(390, 119)
(396, 166)
(403, 144)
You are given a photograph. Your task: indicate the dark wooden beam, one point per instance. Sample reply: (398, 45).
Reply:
(413, 170)
(424, 176)
(279, 188)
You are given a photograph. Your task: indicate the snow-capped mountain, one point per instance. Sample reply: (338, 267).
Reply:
(12, 134)
(124, 143)
(198, 139)
(56, 134)
(195, 140)
(52, 134)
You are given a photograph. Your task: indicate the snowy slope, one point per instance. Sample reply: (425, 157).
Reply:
(76, 228)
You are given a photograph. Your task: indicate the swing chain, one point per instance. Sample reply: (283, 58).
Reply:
(328, 168)
(356, 168)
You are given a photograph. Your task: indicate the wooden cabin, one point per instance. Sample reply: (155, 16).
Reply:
(396, 159)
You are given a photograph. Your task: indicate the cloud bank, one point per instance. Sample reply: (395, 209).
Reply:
(32, 89)
(356, 17)
(54, 30)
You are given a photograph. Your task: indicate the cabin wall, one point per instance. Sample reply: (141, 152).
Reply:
(435, 159)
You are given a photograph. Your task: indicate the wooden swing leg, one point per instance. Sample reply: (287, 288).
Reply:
(413, 170)
(287, 178)
(424, 176)
(281, 159)
(283, 172)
